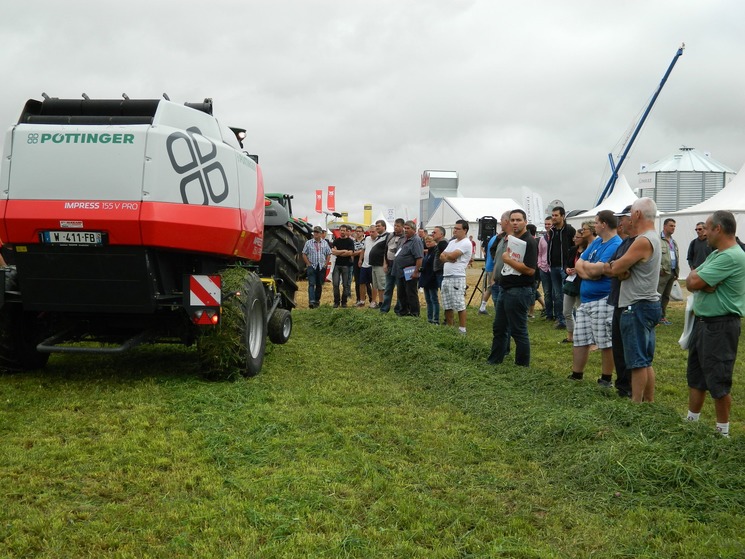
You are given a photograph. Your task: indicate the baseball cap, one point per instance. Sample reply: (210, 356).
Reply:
(625, 212)
(317, 229)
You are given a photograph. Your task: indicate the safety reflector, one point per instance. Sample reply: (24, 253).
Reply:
(205, 291)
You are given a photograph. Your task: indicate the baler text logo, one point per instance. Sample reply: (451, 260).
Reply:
(195, 166)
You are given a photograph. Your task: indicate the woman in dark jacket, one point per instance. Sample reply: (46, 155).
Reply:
(428, 281)
(582, 240)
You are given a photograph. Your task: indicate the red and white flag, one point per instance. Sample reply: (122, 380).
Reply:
(331, 199)
(319, 201)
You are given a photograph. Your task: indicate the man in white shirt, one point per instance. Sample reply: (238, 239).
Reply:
(456, 257)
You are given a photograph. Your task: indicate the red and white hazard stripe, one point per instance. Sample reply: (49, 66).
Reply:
(205, 291)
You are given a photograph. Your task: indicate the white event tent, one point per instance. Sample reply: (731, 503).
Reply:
(621, 197)
(471, 209)
(731, 198)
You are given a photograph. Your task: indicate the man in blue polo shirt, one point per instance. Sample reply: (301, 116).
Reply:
(593, 325)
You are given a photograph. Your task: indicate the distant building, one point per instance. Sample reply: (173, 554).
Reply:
(683, 179)
(436, 185)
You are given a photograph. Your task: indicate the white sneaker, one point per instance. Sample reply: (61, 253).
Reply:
(373, 305)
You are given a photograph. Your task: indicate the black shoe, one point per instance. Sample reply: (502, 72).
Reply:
(566, 341)
(560, 326)
(336, 305)
(574, 377)
(623, 393)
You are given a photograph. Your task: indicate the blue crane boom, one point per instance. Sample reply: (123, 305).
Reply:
(616, 167)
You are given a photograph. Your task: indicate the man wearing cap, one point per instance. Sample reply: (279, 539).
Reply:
(639, 269)
(718, 287)
(316, 254)
(623, 374)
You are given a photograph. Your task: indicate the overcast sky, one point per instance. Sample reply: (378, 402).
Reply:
(366, 95)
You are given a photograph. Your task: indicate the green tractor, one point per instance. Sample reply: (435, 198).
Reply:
(285, 229)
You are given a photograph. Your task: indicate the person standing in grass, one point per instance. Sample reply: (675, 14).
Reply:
(406, 268)
(699, 248)
(572, 284)
(594, 316)
(343, 249)
(455, 258)
(639, 271)
(393, 243)
(623, 373)
(428, 281)
(718, 287)
(511, 312)
(316, 254)
(669, 266)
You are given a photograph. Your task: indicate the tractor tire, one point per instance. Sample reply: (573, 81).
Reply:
(280, 326)
(253, 336)
(19, 335)
(281, 242)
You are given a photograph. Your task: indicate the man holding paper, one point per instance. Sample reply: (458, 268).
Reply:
(519, 260)
(406, 267)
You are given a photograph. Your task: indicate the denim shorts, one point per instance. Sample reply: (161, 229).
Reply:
(638, 322)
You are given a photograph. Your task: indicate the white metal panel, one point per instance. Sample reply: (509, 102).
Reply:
(71, 162)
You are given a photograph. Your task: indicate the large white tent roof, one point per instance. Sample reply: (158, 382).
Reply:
(472, 209)
(731, 198)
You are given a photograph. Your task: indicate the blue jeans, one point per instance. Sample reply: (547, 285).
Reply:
(433, 304)
(511, 319)
(316, 278)
(548, 294)
(558, 275)
(343, 273)
(637, 330)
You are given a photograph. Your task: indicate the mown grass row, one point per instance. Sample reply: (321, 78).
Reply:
(364, 436)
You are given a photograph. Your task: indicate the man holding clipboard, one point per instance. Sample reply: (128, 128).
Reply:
(520, 260)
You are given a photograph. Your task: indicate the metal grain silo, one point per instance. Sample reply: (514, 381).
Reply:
(683, 179)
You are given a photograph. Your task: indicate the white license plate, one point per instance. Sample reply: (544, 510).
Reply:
(72, 238)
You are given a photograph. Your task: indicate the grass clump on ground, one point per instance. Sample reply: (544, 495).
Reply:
(364, 436)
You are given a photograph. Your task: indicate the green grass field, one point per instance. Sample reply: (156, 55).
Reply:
(364, 436)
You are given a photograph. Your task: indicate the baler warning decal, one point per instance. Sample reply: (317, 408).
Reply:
(197, 167)
(205, 291)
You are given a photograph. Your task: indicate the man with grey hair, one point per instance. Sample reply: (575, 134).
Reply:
(406, 268)
(718, 287)
(639, 269)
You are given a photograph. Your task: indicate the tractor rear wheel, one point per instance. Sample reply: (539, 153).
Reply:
(281, 242)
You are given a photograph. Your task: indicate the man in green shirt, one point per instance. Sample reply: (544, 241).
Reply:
(718, 303)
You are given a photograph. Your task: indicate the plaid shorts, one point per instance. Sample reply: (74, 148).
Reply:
(593, 324)
(454, 293)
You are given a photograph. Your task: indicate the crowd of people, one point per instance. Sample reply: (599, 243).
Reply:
(607, 285)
